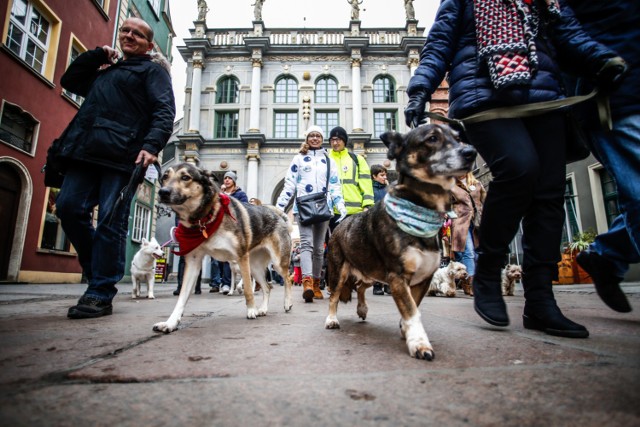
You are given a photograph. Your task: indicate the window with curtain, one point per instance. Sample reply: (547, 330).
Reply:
(384, 90)
(228, 92)
(286, 90)
(326, 91)
(28, 34)
(285, 124)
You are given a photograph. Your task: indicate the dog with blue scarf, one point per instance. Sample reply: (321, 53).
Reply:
(396, 241)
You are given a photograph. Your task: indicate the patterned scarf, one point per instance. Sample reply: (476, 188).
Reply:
(190, 238)
(506, 31)
(413, 219)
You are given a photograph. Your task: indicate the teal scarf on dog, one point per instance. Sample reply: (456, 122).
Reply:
(413, 219)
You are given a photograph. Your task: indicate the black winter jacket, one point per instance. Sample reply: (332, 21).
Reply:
(128, 107)
(451, 47)
(616, 24)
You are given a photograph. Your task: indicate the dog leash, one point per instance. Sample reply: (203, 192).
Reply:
(137, 176)
(534, 109)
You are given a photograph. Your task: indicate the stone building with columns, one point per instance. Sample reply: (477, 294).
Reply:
(252, 92)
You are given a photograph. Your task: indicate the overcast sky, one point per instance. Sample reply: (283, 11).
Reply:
(285, 14)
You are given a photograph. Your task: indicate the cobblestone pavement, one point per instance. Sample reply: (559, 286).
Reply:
(286, 369)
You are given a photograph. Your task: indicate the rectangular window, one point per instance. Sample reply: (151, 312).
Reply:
(53, 237)
(28, 34)
(609, 196)
(226, 124)
(327, 120)
(384, 121)
(571, 226)
(155, 5)
(18, 128)
(75, 52)
(286, 124)
(141, 221)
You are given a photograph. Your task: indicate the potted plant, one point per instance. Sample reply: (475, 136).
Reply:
(580, 242)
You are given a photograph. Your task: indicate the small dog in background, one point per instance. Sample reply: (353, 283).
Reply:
(510, 274)
(444, 279)
(143, 266)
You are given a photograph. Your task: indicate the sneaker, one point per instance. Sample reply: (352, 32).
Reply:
(606, 282)
(89, 307)
(377, 289)
(215, 288)
(225, 289)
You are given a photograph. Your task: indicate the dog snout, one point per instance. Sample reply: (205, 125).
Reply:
(468, 153)
(164, 193)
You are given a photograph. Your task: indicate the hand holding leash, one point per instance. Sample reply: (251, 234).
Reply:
(611, 74)
(414, 113)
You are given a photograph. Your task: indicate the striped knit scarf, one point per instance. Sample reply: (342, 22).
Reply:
(506, 31)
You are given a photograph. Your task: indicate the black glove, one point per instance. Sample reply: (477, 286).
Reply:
(414, 113)
(611, 74)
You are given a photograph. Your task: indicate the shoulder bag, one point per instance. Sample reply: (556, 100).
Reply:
(314, 208)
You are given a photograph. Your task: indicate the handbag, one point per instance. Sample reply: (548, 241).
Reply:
(54, 167)
(314, 208)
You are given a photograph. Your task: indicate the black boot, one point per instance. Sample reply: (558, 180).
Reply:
(488, 301)
(606, 282)
(377, 289)
(540, 309)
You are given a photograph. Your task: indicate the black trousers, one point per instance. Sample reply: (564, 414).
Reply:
(527, 160)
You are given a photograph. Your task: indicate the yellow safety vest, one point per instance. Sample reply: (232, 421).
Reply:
(357, 187)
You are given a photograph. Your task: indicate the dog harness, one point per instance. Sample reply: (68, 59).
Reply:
(413, 219)
(190, 238)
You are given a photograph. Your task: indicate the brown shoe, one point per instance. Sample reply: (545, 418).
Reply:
(307, 289)
(317, 292)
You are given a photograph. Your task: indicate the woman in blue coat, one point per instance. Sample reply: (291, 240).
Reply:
(501, 53)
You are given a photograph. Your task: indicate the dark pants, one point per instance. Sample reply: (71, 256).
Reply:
(225, 270)
(181, 265)
(527, 160)
(101, 250)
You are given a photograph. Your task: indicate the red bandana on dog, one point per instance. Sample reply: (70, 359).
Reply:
(190, 238)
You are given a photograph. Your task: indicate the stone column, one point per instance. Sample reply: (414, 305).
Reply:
(196, 91)
(254, 113)
(356, 93)
(254, 141)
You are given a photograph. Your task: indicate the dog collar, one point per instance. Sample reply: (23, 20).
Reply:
(190, 238)
(413, 219)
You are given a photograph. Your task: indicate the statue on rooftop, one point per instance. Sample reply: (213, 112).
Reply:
(202, 10)
(355, 9)
(408, 6)
(257, 10)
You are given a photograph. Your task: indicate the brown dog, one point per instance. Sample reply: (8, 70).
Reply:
(228, 230)
(396, 241)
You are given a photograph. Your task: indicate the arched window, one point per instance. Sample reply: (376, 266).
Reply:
(286, 90)
(384, 90)
(227, 91)
(326, 90)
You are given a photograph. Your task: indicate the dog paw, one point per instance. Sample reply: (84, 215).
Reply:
(164, 327)
(421, 350)
(332, 323)
(288, 307)
(151, 297)
(362, 311)
(262, 312)
(252, 313)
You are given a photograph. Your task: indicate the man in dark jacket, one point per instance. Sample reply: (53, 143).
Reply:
(126, 119)
(616, 24)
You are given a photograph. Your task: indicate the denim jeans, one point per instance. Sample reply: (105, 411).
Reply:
(216, 279)
(225, 269)
(101, 250)
(468, 256)
(619, 153)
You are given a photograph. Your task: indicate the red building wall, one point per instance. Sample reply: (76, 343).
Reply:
(43, 99)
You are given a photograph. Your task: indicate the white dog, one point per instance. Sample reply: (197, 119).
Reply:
(508, 277)
(143, 266)
(443, 282)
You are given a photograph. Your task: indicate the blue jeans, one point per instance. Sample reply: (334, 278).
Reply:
(619, 153)
(101, 250)
(468, 257)
(225, 269)
(215, 273)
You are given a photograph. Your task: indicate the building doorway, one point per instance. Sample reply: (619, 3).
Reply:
(10, 190)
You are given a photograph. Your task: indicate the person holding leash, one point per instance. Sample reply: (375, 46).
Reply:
(514, 66)
(354, 174)
(616, 24)
(230, 188)
(307, 174)
(125, 120)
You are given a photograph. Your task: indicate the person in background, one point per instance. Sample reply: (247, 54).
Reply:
(125, 120)
(307, 174)
(354, 174)
(230, 188)
(255, 201)
(616, 24)
(380, 184)
(468, 197)
(472, 40)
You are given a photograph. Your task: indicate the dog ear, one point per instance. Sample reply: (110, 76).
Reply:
(394, 142)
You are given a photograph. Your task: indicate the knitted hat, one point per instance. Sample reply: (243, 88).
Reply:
(339, 132)
(312, 129)
(231, 175)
